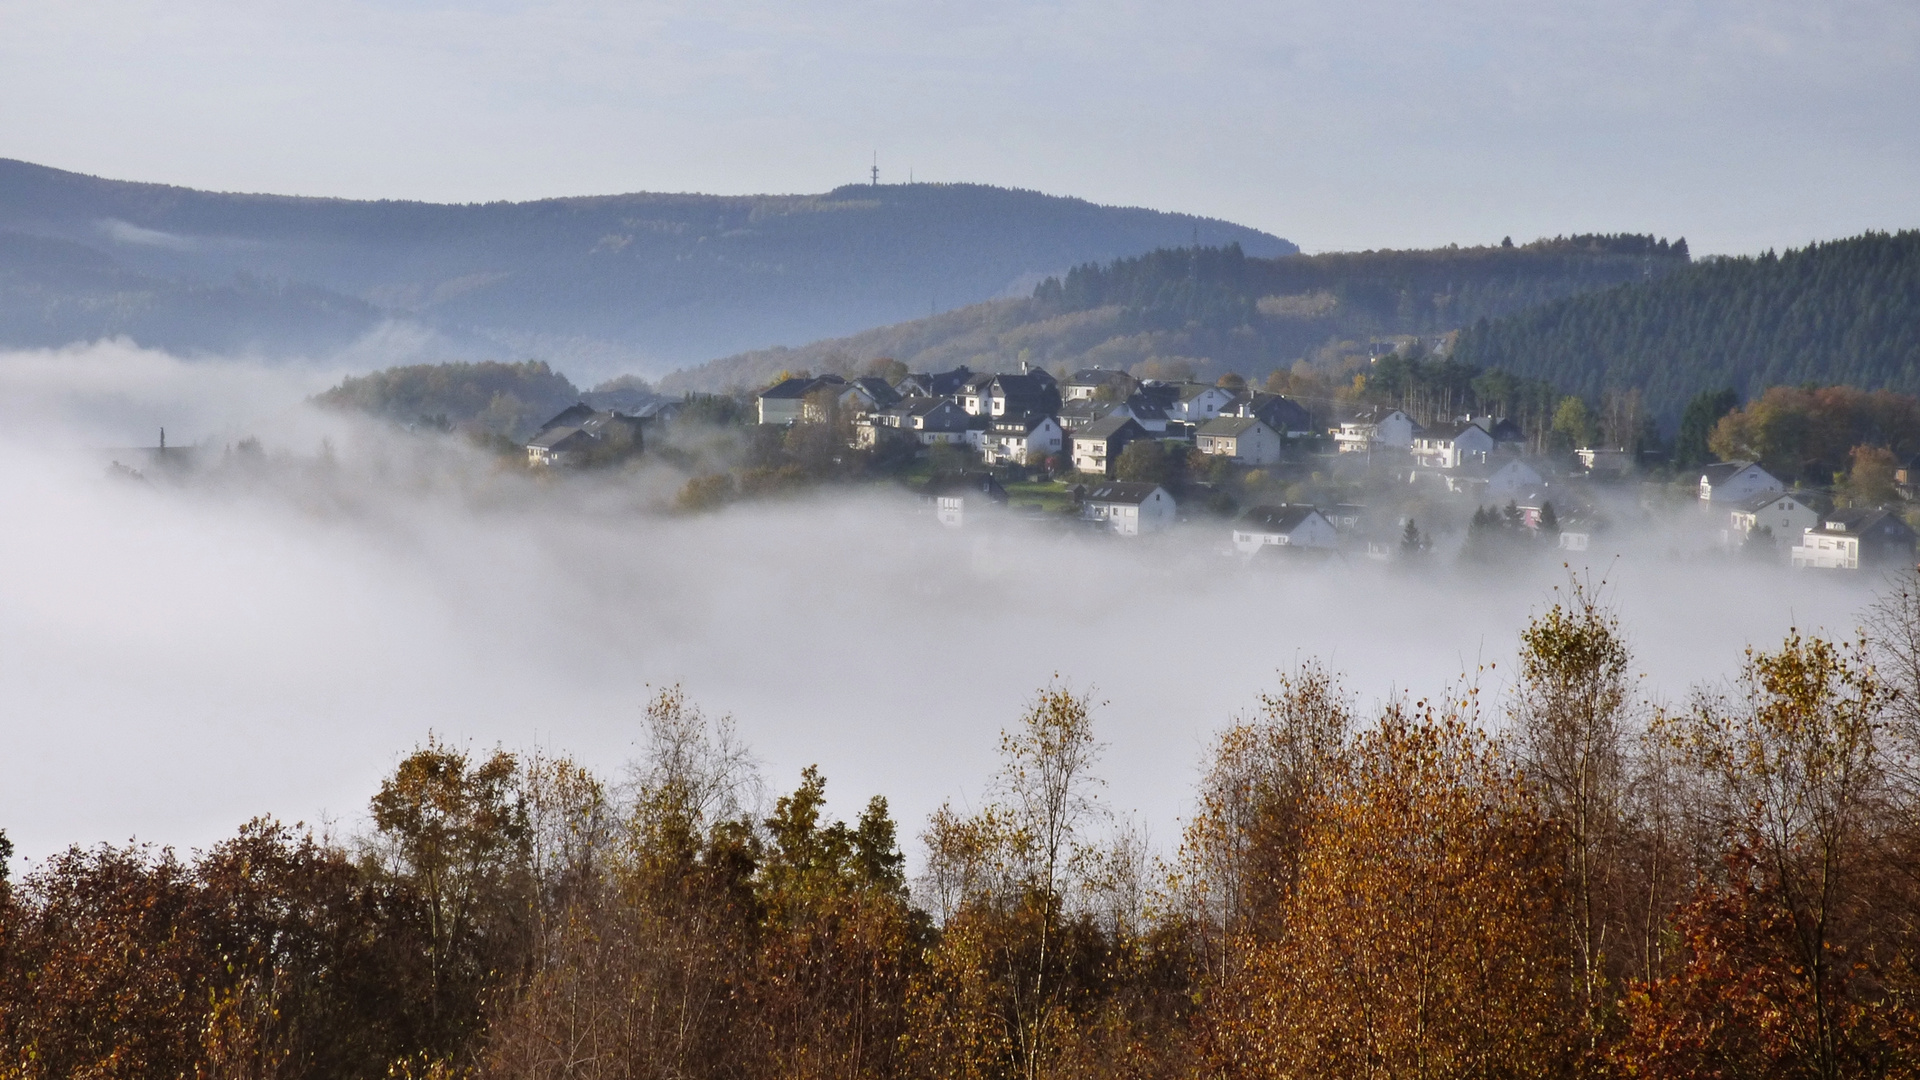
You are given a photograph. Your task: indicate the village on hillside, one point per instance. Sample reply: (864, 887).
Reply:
(1264, 475)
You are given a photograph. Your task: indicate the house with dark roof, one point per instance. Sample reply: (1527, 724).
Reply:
(571, 416)
(1097, 446)
(785, 401)
(1782, 516)
(1449, 446)
(1735, 482)
(1089, 384)
(1010, 395)
(1243, 439)
(605, 436)
(1079, 412)
(1127, 509)
(955, 498)
(1282, 414)
(923, 420)
(937, 384)
(1012, 440)
(1285, 525)
(1856, 539)
(1375, 427)
(1196, 403)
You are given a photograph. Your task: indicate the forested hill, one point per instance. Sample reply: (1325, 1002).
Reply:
(1847, 312)
(1207, 310)
(596, 285)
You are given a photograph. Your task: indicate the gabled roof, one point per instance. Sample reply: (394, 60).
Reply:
(1086, 409)
(1159, 393)
(1373, 414)
(1022, 424)
(1753, 504)
(1722, 471)
(965, 484)
(1450, 432)
(560, 439)
(1231, 426)
(1108, 427)
(1277, 519)
(1187, 391)
(787, 389)
(1859, 521)
(1144, 408)
(1121, 491)
(877, 388)
(571, 416)
(1097, 376)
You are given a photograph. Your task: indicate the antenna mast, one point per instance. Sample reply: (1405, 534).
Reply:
(875, 171)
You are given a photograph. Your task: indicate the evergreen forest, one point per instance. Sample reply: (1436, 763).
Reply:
(1845, 312)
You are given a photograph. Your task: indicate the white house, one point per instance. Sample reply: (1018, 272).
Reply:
(1283, 526)
(1098, 446)
(1784, 516)
(1376, 427)
(1011, 439)
(1197, 403)
(1244, 439)
(1449, 446)
(1128, 509)
(1850, 539)
(1736, 482)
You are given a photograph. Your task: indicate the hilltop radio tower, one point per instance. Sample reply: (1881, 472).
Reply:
(875, 171)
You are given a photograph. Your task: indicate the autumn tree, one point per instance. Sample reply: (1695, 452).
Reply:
(1010, 975)
(1423, 935)
(640, 973)
(1240, 854)
(454, 830)
(1573, 712)
(1785, 942)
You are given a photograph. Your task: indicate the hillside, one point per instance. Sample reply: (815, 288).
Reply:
(1211, 310)
(1844, 312)
(597, 284)
(53, 292)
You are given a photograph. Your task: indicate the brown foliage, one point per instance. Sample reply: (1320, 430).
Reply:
(1422, 935)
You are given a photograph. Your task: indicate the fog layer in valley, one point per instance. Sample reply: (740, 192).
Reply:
(271, 637)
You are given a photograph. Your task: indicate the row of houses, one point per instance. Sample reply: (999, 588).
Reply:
(1761, 510)
(1010, 418)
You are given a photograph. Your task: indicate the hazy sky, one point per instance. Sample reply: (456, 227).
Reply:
(1741, 124)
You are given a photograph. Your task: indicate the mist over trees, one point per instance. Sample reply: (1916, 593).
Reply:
(1572, 880)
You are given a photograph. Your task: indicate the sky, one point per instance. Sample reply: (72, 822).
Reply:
(272, 639)
(1740, 124)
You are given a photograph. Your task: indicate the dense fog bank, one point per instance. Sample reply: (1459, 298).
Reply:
(271, 634)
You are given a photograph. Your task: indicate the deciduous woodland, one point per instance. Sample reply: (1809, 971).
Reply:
(1563, 878)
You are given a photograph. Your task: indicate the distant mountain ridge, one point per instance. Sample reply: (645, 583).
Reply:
(597, 284)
